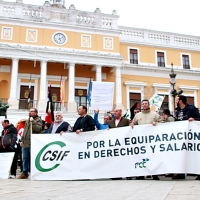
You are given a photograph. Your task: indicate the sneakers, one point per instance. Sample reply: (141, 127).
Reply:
(178, 177)
(22, 176)
(155, 177)
(197, 178)
(12, 176)
(139, 178)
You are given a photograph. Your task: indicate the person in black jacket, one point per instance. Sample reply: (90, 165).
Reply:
(188, 112)
(8, 143)
(84, 122)
(59, 125)
(185, 111)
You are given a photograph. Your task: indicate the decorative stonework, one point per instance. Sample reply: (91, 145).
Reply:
(31, 35)
(58, 16)
(186, 41)
(6, 33)
(108, 43)
(86, 41)
(159, 37)
(148, 92)
(132, 34)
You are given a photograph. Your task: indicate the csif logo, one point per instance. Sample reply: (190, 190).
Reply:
(57, 155)
(142, 164)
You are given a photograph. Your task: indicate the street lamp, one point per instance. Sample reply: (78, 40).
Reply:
(174, 93)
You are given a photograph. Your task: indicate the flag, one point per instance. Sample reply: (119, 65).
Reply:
(156, 100)
(128, 114)
(136, 105)
(29, 91)
(89, 92)
(49, 109)
(20, 128)
(61, 91)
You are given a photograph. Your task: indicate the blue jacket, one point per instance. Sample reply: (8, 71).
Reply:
(99, 125)
(188, 111)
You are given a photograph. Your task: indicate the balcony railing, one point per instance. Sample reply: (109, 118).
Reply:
(4, 100)
(24, 105)
(47, 13)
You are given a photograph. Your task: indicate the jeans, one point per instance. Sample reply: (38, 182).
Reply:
(26, 154)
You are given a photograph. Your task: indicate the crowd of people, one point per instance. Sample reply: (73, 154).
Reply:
(17, 138)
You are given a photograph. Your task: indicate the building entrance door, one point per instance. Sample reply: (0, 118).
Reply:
(23, 101)
(81, 97)
(55, 91)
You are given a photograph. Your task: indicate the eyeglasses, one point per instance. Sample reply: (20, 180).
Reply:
(136, 112)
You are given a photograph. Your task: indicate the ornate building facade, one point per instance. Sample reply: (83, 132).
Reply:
(51, 41)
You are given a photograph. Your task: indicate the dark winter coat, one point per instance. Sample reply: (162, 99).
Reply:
(189, 111)
(9, 137)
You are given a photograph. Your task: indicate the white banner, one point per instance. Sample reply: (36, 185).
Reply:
(102, 95)
(120, 152)
(5, 164)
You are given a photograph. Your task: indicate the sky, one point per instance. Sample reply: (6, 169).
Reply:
(177, 16)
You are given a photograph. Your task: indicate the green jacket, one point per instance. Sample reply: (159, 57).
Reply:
(36, 128)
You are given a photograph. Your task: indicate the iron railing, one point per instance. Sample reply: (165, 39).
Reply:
(4, 100)
(24, 105)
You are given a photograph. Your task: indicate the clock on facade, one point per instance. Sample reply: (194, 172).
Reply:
(59, 38)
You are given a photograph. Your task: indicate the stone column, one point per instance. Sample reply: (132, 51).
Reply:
(43, 86)
(71, 105)
(13, 102)
(98, 73)
(118, 88)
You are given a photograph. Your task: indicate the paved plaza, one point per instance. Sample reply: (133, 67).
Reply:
(165, 189)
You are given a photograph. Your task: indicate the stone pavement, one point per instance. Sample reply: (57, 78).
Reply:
(105, 189)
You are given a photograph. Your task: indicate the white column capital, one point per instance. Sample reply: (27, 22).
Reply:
(16, 59)
(43, 61)
(71, 64)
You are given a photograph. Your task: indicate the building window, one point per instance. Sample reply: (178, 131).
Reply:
(81, 97)
(190, 100)
(135, 98)
(133, 56)
(165, 104)
(160, 59)
(186, 62)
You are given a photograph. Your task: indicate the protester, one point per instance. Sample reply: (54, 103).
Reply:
(33, 125)
(20, 130)
(135, 107)
(166, 116)
(188, 112)
(59, 125)
(100, 126)
(117, 122)
(85, 122)
(46, 127)
(146, 117)
(8, 142)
